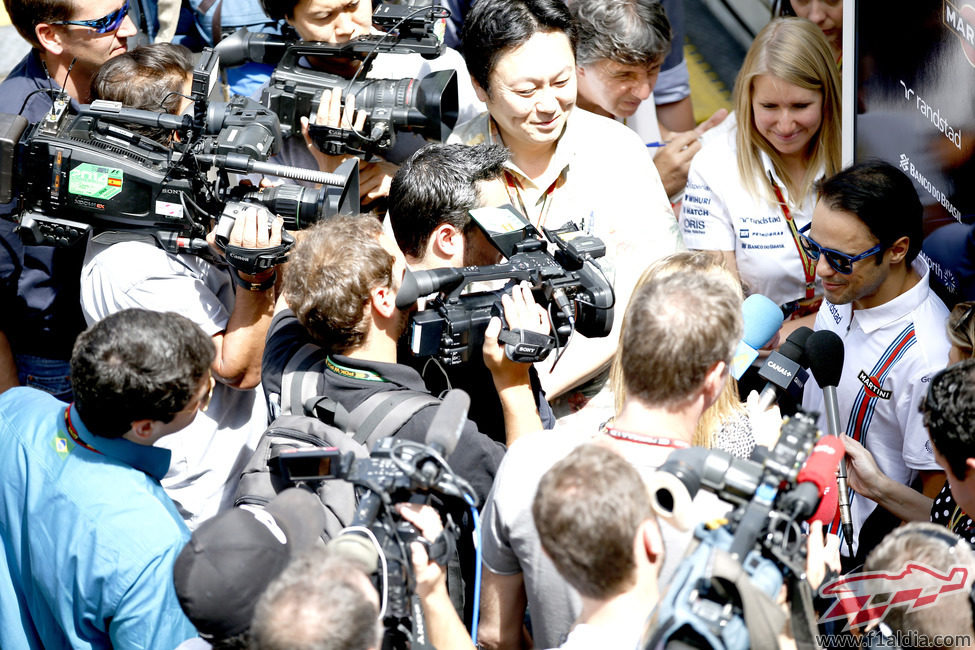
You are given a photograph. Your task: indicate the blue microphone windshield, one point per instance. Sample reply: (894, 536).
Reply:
(762, 319)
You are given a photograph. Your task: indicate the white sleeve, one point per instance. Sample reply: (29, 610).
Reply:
(917, 450)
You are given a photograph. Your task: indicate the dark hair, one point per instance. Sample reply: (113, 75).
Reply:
(883, 198)
(280, 9)
(588, 510)
(135, 365)
(438, 185)
(949, 414)
(150, 77)
(492, 28)
(25, 15)
(631, 32)
(330, 276)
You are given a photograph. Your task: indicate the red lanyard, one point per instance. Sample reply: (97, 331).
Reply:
(74, 432)
(653, 441)
(515, 188)
(808, 264)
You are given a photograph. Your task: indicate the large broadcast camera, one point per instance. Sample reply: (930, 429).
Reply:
(427, 106)
(570, 283)
(378, 538)
(73, 175)
(722, 595)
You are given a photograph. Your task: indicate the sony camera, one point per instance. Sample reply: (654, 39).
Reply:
(722, 595)
(427, 106)
(570, 284)
(93, 172)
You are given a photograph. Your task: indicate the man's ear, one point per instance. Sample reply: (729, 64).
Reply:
(384, 301)
(143, 430)
(651, 540)
(448, 241)
(49, 38)
(480, 92)
(898, 250)
(714, 382)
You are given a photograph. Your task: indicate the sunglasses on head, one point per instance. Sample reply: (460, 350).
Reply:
(839, 262)
(104, 24)
(967, 310)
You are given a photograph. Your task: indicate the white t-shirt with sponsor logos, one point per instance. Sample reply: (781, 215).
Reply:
(719, 214)
(890, 353)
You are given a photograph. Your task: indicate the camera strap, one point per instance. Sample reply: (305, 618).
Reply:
(526, 346)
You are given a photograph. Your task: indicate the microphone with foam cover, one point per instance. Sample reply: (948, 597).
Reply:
(826, 353)
(785, 369)
(761, 318)
(815, 494)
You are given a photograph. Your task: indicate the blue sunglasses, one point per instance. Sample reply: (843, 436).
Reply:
(104, 24)
(839, 262)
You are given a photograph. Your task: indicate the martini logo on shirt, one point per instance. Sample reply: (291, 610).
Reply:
(961, 21)
(872, 386)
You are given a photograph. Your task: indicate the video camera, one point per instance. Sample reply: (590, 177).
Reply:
(451, 327)
(427, 106)
(72, 175)
(722, 595)
(395, 471)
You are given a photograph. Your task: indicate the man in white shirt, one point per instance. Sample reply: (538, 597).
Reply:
(865, 234)
(621, 47)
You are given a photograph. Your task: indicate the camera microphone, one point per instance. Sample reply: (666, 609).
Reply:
(826, 353)
(784, 369)
(445, 431)
(815, 496)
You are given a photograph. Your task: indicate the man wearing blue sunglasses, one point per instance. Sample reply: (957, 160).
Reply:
(865, 237)
(43, 314)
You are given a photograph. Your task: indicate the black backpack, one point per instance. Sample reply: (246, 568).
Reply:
(311, 420)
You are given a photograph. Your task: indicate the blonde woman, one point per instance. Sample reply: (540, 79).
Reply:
(751, 188)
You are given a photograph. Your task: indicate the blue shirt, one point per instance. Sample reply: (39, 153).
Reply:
(88, 535)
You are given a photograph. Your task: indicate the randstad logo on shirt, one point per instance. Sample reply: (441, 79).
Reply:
(834, 312)
(872, 386)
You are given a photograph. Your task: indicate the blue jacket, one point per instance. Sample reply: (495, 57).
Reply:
(88, 535)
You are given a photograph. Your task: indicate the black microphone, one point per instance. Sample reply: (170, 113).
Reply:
(445, 431)
(785, 369)
(825, 352)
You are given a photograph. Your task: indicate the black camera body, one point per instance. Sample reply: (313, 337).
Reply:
(76, 174)
(578, 295)
(427, 106)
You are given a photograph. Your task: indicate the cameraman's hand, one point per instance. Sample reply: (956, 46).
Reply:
(255, 228)
(430, 576)
(375, 179)
(822, 554)
(330, 113)
(522, 312)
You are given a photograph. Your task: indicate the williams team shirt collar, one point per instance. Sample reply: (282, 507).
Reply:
(153, 461)
(870, 320)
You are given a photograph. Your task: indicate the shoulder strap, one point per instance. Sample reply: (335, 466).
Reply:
(301, 377)
(379, 416)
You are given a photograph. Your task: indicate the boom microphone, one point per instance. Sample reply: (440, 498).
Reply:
(784, 369)
(762, 319)
(825, 352)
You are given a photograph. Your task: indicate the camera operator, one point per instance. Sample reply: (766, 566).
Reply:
(40, 283)
(324, 599)
(611, 556)
(566, 163)
(340, 21)
(89, 536)
(431, 198)
(234, 308)
(679, 335)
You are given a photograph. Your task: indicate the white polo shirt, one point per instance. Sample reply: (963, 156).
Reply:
(719, 214)
(891, 351)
